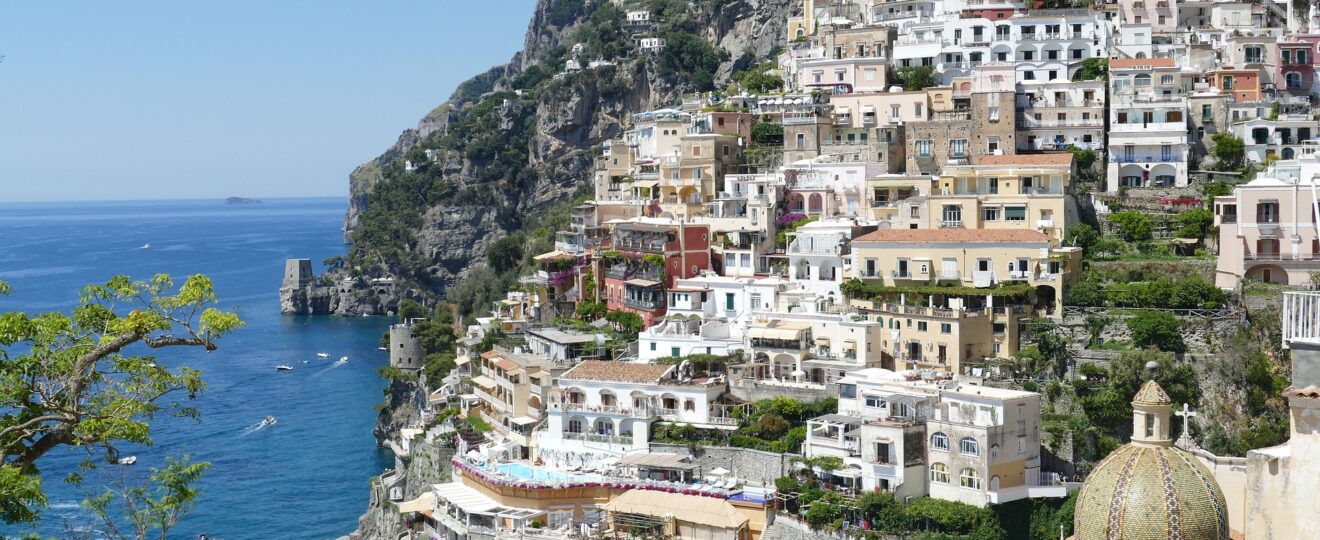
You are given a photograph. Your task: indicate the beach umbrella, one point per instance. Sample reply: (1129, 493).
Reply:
(719, 471)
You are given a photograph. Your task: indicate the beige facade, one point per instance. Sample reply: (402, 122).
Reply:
(691, 178)
(1267, 228)
(512, 390)
(1029, 192)
(991, 444)
(962, 135)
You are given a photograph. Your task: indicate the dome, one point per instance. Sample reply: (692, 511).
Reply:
(1149, 489)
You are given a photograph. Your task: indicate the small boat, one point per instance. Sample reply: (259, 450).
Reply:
(145, 246)
(343, 359)
(304, 361)
(268, 421)
(127, 460)
(381, 349)
(283, 367)
(322, 355)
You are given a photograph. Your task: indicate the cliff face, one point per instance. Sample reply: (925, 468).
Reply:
(563, 121)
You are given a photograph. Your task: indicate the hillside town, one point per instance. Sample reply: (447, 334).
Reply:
(939, 258)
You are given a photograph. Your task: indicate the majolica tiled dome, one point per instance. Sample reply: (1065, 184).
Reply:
(1151, 490)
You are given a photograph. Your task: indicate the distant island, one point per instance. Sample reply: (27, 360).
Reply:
(241, 200)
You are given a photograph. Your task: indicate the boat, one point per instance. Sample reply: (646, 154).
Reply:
(322, 355)
(268, 421)
(283, 367)
(343, 359)
(127, 460)
(145, 246)
(381, 349)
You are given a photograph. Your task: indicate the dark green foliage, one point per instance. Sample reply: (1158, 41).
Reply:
(767, 133)
(1108, 404)
(1156, 329)
(768, 427)
(1229, 151)
(760, 79)
(1148, 286)
(1216, 189)
(1133, 226)
(690, 59)
(437, 367)
(564, 12)
(1253, 367)
(860, 290)
(1037, 519)
(504, 254)
(1195, 223)
(916, 77)
(1093, 69)
(1081, 235)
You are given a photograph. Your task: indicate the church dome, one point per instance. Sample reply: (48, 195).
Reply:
(1148, 489)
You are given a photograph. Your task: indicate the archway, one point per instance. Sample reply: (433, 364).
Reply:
(1268, 273)
(815, 204)
(1046, 298)
(603, 426)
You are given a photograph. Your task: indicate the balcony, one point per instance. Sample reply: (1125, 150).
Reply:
(1268, 230)
(798, 247)
(951, 224)
(598, 437)
(653, 246)
(1031, 122)
(1119, 158)
(643, 304)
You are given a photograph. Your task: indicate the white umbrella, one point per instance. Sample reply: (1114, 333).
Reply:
(719, 471)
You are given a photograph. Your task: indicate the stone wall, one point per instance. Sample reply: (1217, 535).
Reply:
(749, 390)
(748, 465)
(1199, 333)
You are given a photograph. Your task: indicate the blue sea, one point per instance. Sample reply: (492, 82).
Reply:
(304, 477)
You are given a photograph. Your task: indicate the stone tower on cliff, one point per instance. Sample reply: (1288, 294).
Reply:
(297, 273)
(405, 348)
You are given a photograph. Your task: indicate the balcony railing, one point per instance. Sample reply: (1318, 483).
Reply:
(644, 305)
(1031, 122)
(1119, 158)
(951, 224)
(598, 437)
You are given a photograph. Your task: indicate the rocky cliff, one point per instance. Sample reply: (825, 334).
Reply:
(522, 136)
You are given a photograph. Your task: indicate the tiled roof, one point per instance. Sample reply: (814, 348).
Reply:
(1121, 63)
(600, 370)
(1145, 492)
(955, 235)
(1152, 394)
(1054, 158)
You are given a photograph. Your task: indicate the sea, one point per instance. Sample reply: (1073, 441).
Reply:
(307, 475)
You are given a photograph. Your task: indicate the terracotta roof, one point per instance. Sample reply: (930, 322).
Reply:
(600, 370)
(1152, 394)
(1121, 63)
(1054, 158)
(489, 354)
(955, 235)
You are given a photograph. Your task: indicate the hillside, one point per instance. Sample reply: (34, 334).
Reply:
(520, 137)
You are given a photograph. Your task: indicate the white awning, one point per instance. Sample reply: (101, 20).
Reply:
(842, 110)
(483, 381)
(523, 420)
(425, 501)
(464, 497)
(868, 109)
(847, 472)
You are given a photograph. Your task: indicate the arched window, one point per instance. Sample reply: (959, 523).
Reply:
(969, 479)
(939, 473)
(939, 441)
(1142, 80)
(968, 446)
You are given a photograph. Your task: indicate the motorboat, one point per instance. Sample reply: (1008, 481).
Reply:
(269, 421)
(127, 460)
(381, 349)
(343, 359)
(283, 367)
(322, 355)
(145, 246)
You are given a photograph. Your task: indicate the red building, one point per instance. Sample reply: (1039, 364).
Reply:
(644, 258)
(1297, 64)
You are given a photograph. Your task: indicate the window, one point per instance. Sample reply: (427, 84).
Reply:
(939, 473)
(1015, 213)
(1292, 79)
(653, 346)
(728, 301)
(895, 112)
(1028, 56)
(868, 74)
(801, 141)
(1142, 80)
(969, 479)
(939, 441)
(1227, 83)
(1022, 445)
(847, 390)
(946, 328)
(1301, 56)
(1076, 54)
(992, 145)
(1052, 54)
(674, 353)
(1267, 212)
(921, 326)
(870, 267)
(1028, 75)
(923, 148)
(983, 265)
(874, 402)
(755, 299)
(958, 148)
(1253, 54)
(969, 447)
(916, 109)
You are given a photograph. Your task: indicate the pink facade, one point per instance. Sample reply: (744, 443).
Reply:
(1267, 233)
(1296, 63)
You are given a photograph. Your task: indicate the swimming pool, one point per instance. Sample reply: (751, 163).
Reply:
(533, 474)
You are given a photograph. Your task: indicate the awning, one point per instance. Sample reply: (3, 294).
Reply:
(781, 331)
(506, 364)
(551, 256)
(868, 109)
(847, 472)
(849, 345)
(466, 498)
(483, 381)
(645, 183)
(685, 508)
(842, 110)
(425, 501)
(523, 420)
(656, 460)
(460, 360)
(642, 283)
(823, 342)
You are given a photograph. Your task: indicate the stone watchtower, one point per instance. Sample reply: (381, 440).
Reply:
(405, 349)
(297, 273)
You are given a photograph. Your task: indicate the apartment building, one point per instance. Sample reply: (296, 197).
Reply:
(1284, 137)
(808, 350)
(742, 222)
(1148, 144)
(633, 280)
(984, 127)
(609, 408)
(511, 393)
(1057, 115)
(1032, 192)
(818, 255)
(1267, 227)
(822, 188)
(690, 177)
(940, 438)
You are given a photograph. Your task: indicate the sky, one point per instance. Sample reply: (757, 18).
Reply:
(166, 99)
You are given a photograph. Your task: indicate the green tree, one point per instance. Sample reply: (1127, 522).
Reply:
(1195, 223)
(1081, 235)
(1229, 151)
(409, 309)
(767, 133)
(149, 509)
(1084, 158)
(1216, 189)
(916, 77)
(1093, 69)
(760, 79)
(1156, 329)
(1133, 226)
(504, 254)
(70, 380)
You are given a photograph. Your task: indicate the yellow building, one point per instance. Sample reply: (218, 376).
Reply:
(691, 178)
(949, 331)
(1019, 192)
(511, 391)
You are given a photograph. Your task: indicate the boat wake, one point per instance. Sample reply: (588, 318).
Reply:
(254, 428)
(336, 364)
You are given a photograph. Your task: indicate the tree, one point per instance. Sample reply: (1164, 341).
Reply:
(916, 77)
(767, 133)
(760, 78)
(1133, 226)
(1195, 223)
(1093, 69)
(504, 254)
(1084, 158)
(1156, 329)
(409, 309)
(148, 509)
(1081, 235)
(824, 463)
(70, 382)
(1229, 151)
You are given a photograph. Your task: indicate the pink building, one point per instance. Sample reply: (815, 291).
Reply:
(1296, 63)
(1267, 227)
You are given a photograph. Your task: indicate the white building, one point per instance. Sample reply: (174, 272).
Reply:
(1147, 124)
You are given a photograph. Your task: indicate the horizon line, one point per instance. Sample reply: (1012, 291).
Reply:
(165, 199)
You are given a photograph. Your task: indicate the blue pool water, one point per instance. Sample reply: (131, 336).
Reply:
(534, 474)
(304, 477)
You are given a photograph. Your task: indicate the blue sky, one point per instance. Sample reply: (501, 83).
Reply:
(168, 99)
